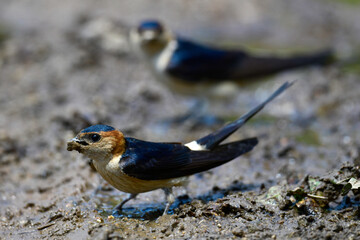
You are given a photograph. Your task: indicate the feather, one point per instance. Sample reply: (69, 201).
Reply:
(155, 161)
(212, 140)
(195, 63)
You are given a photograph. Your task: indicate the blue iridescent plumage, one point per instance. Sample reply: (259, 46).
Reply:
(154, 161)
(191, 61)
(150, 25)
(98, 128)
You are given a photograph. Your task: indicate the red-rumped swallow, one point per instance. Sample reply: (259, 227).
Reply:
(189, 67)
(135, 166)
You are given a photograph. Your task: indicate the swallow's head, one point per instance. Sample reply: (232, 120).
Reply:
(151, 36)
(98, 142)
(150, 31)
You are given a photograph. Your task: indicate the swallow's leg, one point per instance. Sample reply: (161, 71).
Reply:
(120, 205)
(169, 198)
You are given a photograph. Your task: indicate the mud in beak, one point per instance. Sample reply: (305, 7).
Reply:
(76, 144)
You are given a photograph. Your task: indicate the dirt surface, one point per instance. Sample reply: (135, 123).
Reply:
(57, 76)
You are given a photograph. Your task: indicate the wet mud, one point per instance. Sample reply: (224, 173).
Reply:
(66, 65)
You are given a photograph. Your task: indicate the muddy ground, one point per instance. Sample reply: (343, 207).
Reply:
(299, 182)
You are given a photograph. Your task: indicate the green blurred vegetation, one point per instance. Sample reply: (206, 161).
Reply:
(352, 66)
(308, 137)
(4, 34)
(351, 2)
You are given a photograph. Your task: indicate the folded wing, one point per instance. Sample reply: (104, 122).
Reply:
(155, 161)
(195, 63)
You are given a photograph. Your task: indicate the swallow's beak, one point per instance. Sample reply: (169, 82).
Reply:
(75, 144)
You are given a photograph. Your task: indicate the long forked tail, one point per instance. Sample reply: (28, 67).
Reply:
(254, 66)
(212, 140)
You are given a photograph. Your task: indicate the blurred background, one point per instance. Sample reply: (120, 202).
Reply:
(65, 65)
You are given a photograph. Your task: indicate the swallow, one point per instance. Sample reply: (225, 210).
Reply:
(189, 67)
(136, 166)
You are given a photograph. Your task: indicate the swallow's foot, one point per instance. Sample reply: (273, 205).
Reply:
(170, 198)
(120, 205)
(115, 212)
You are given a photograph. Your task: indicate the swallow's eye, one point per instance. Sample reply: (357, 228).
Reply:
(95, 137)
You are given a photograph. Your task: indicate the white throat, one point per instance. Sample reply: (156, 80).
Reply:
(163, 59)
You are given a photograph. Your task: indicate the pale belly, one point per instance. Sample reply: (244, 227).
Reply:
(112, 174)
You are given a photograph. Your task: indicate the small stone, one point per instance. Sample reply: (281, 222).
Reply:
(238, 232)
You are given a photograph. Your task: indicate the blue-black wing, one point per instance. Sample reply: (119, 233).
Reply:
(194, 62)
(146, 160)
(155, 161)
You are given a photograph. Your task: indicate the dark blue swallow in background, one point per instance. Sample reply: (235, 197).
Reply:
(187, 66)
(135, 166)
